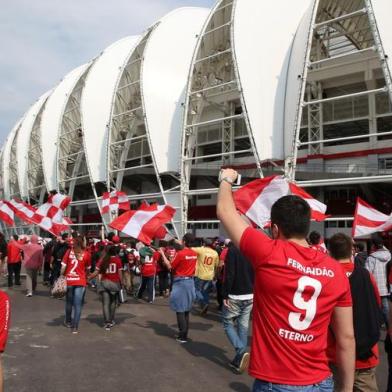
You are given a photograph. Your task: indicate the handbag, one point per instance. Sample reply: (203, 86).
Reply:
(60, 287)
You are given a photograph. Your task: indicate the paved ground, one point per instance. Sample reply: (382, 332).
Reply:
(139, 354)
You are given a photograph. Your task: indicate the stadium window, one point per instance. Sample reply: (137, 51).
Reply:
(341, 224)
(384, 124)
(385, 163)
(349, 128)
(349, 224)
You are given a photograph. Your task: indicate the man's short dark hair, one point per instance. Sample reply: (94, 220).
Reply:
(292, 216)
(15, 237)
(377, 241)
(360, 246)
(64, 236)
(314, 238)
(189, 239)
(340, 246)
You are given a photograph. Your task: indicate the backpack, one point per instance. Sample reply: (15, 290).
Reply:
(367, 315)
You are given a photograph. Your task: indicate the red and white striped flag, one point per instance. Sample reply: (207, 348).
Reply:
(22, 210)
(143, 223)
(317, 208)
(255, 199)
(6, 213)
(114, 201)
(367, 220)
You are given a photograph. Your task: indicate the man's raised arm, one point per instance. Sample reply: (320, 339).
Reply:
(225, 209)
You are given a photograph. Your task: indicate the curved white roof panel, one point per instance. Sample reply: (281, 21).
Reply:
(262, 66)
(51, 122)
(296, 66)
(96, 103)
(22, 142)
(167, 59)
(6, 158)
(383, 11)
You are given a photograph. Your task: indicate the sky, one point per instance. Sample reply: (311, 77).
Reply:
(42, 40)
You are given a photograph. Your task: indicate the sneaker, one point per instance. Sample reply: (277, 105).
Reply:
(29, 295)
(244, 362)
(67, 325)
(181, 340)
(112, 324)
(107, 327)
(75, 331)
(204, 310)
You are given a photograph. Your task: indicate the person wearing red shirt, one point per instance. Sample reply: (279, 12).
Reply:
(341, 249)
(110, 269)
(148, 270)
(298, 293)
(5, 311)
(75, 263)
(14, 261)
(183, 268)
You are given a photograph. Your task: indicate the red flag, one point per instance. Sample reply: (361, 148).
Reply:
(255, 199)
(144, 222)
(59, 200)
(368, 220)
(114, 201)
(22, 210)
(318, 209)
(6, 213)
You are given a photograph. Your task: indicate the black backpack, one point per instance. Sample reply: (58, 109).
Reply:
(367, 315)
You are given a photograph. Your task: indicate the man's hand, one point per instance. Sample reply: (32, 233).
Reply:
(229, 173)
(226, 303)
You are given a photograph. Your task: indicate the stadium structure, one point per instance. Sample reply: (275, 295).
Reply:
(302, 89)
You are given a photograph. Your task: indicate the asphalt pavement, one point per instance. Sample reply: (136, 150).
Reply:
(138, 354)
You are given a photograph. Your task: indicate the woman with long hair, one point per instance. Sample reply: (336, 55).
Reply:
(74, 266)
(110, 270)
(183, 294)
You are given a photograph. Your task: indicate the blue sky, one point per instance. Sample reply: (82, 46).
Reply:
(42, 40)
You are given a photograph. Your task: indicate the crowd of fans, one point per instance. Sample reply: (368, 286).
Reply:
(317, 310)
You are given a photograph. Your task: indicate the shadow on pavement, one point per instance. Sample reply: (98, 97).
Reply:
(160, 329)
(239, 387)
(98, 319)
(56, 322)
(208, 351)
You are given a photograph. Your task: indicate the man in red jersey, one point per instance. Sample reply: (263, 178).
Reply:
(4, 326)
(367, 317)
(298, 293)
(14, 261)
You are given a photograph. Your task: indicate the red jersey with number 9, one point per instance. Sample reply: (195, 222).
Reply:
(296, 291)
(75, 271)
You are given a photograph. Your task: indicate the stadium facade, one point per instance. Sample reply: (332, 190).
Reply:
(298, 88)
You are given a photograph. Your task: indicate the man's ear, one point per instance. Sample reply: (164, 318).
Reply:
(275, 231)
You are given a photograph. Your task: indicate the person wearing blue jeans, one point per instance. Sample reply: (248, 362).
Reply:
(264, 386)
(74, 301)
(203, 288)
(236, 316)
(238, 304)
